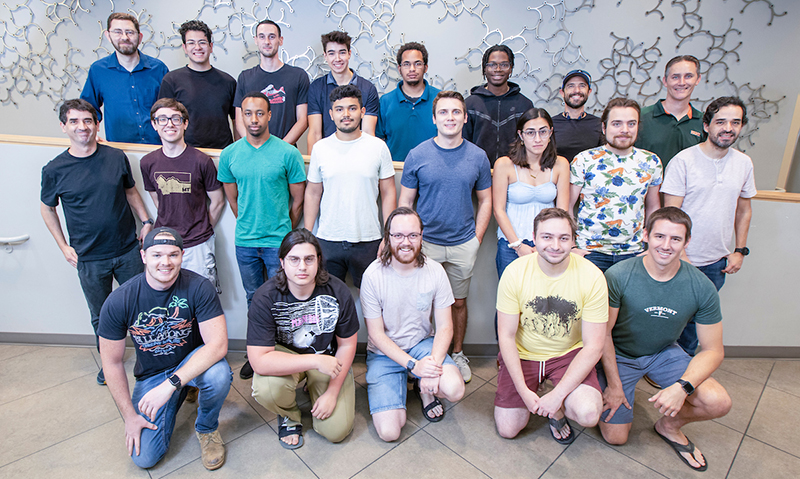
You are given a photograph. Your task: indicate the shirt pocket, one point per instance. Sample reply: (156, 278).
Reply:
(424, 300)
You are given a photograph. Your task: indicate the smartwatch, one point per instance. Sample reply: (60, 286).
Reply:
(687, 386)
(175, 381)
(743, 251)
(411, 365)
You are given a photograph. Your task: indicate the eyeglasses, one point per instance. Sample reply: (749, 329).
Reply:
(118, 33)
(295, 260)
(401, 236)
(498, 66)
(176, 120)
(199, 43)
(544, 133)
(416, 64)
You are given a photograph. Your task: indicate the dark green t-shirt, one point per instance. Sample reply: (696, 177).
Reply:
(652, 314)
(665, 135)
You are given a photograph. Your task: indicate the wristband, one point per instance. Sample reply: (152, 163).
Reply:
(515, 244)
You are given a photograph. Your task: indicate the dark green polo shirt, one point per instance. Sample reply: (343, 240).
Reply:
(664, 135)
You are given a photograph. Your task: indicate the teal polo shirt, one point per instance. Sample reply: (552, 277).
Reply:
(404, 123)
(665, 135)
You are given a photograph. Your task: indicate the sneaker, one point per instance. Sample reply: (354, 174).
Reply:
(463, 366)
(191, 393)
(212, 449)
(101, 378)
(247, 371)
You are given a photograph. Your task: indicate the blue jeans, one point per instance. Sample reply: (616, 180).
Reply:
(256, 265)
(343, 256)
(713, 271)
(97, 278)
(214, 385)
(605, 261)
(505, 256)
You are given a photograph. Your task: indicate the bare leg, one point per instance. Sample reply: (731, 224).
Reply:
(510, 421)
(389, 423)
(459, 323)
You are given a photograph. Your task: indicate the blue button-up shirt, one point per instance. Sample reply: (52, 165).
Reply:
(127, 95)
(404, 124)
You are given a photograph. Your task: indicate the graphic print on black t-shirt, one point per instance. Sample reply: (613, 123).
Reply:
(553, 316)
(275, 96)
(158, 332)
(303, 323)
(173, 182)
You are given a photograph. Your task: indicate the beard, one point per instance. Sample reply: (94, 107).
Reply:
(722, 144)
(618, 143)
(353, 127)
(127, 48)
(578, 104)
(406, 257)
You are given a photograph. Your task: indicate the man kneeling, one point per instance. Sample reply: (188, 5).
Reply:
(302, 325)
(178, 329)
(552, 309)
(651, 300)
(398, 291)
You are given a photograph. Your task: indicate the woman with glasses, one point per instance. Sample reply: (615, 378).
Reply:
(532, 177)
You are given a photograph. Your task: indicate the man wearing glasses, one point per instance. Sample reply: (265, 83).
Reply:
(575, 130)
(494, 108)
(405, 112)
(618, 184)
(128, 81)
(399, 292)
(179, 178)
(205, 91)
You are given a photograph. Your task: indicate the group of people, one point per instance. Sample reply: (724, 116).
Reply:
(600, 285)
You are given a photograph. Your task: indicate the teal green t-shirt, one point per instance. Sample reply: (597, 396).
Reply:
(262, 176)
(652, 314)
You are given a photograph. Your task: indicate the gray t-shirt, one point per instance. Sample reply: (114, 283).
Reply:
(404, 301)
(710, 189)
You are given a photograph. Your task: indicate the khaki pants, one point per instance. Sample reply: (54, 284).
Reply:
(277, 394)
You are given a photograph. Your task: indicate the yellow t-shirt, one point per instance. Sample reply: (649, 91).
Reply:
(551, 309)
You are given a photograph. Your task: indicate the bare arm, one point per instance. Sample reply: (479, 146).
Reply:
(502, 168)
(154, 197)
(741, 226)
(422, 369)
(216, 206)
(267, 361)
(232, 192)
(368, 124)
(484, 213)
(507, 325)
(50, 217)
(563, 196)
(297, 192)
(314, 130)
(443, 318)
(300, 126)
(574, 194)
(137, 205)
(613, 396)
(652, 201)
(407, 196)
(311, 207)
(238, 124)
(388, 196)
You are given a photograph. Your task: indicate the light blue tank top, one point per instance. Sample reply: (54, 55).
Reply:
(524, 202)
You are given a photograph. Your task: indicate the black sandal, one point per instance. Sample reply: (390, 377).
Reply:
(285, 430)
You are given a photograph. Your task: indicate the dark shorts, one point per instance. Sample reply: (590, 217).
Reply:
(554, 369)
(342, 256)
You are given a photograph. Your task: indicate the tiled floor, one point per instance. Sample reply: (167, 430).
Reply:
(55, 419)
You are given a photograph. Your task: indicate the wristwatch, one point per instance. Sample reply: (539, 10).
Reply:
(687, 386)
(743, 251)
(148, 221)
(411, 365)
(175, 381)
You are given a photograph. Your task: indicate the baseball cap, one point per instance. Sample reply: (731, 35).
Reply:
(150, 239)
(581, 73)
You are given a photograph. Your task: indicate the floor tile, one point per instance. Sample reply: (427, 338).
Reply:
(430, 459)
(786, 377)
(586, 456)
(69, 458)
(39, 420)
(756, 459)
(753, 369)
(8, 351)
(469, 430)
(484, 367)
(357, 451)
(32, 372)
(777, 421)
(744, 393)
(256, 454)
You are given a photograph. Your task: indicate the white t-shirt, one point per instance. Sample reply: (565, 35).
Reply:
(404, 301)
(710, 189)
(349, 172)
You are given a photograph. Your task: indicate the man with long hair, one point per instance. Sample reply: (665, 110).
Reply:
(398, 292)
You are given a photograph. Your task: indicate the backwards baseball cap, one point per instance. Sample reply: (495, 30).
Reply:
(581, 73)
(150, 239)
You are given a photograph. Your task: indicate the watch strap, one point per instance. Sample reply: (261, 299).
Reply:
(687, 386)
(175, 380)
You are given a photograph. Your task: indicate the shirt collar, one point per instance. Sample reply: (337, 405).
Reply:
(332, 81)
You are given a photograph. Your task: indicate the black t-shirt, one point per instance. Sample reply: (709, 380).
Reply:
(163, 324)
(306, 327)
(573, 136)
(285, 88)
(92, 192)
(208, 96)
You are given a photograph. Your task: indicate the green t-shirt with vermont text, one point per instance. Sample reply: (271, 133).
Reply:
(652, 314)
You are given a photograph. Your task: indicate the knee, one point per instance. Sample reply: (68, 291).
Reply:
(460, 304)
(452, 386)
(509, 427)
(335, 435)
(716, 400)
(587, 413)
(217, 379)
(508, 431)
(614, 436)
(389, 429)
(148, 457)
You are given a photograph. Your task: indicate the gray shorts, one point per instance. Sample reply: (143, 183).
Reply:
(664, 367)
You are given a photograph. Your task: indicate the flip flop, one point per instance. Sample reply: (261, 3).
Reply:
(286, 430)
(429, 407)
(558, 424)
(679, 448)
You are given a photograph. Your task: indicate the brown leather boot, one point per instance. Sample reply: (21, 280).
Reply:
(212, 450)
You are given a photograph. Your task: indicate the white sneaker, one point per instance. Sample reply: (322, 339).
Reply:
(463, 366)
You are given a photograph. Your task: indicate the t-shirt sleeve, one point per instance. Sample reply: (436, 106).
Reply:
(347, 325)
(206, 301)
(295, 167)
(615, 282)
(484, 173)
(224, 173)
(315, 101)
(261, 325)
(749, 188)
(241, 84)
(209, 172)
(48, 195)
(595, 304)
(127, 177)
(577, 170)
(658, 172)
(372, 102)
(314, 175)
(443, 295)
(113, 323)
(146, 165)
(409, 178)
(675, 178)
(386, 168)
(370, 304)
(302, 88)
(709, 311)
(508, 290)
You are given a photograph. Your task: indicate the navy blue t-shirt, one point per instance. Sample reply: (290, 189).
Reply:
(163, 324)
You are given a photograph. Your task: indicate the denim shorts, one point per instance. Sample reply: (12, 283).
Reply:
(664, 367)
(386, 380)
